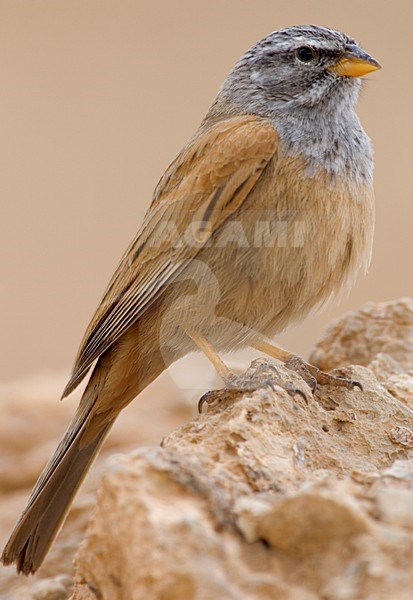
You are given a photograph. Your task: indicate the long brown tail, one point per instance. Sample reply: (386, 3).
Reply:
(119, 375)
(51, 499)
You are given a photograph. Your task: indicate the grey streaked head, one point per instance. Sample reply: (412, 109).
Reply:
(297, 67)
(306, 79)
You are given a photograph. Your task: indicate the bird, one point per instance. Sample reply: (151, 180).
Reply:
(264, 215)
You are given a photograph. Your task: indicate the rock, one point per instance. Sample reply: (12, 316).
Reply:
(357, 337)
(32, 420)
(402, 436)
(262, 496)
(54, 588)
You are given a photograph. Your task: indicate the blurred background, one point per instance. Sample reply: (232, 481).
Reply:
(97, 97)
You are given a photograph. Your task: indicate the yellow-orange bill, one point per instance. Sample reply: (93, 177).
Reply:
(355, 67)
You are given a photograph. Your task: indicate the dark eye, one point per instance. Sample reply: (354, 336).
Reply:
(305, 54)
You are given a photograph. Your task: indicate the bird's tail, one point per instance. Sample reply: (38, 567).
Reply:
(119, 376)
(52, 497)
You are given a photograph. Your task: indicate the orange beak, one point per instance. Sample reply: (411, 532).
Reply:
(355, 63)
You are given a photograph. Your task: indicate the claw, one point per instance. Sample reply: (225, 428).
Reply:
(313, 385)
(313, 376)
(352, 383)
(205, 399)
(302, 394)
(289, 388)
(217, 396)
(201, 404)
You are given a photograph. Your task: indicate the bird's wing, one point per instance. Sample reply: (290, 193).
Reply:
(205, 184)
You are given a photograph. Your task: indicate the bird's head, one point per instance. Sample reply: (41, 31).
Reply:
(301, 66)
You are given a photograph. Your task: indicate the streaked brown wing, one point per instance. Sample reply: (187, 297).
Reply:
(206, 183)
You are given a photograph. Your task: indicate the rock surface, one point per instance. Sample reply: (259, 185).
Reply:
(262, 496)
(357, 337)
(32, 421)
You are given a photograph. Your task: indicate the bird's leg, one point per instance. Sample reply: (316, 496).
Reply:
(204, 346)
(268, 377)
(311, 374)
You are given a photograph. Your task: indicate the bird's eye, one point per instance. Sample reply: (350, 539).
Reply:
(305, 54)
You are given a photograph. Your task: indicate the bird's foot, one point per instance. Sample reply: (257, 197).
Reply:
(268, 377)
(314, 376)
(260, 375)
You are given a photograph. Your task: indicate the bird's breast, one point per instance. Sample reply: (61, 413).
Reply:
(296, 242)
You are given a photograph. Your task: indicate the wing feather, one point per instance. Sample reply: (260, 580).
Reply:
(206, 183)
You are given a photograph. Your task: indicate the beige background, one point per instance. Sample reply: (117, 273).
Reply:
(97, 97)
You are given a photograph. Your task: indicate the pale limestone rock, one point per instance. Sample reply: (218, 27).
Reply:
(403, 436)
(32, 420)
(54, 588)
(357, 337)
(392, 376)
(261, 497)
